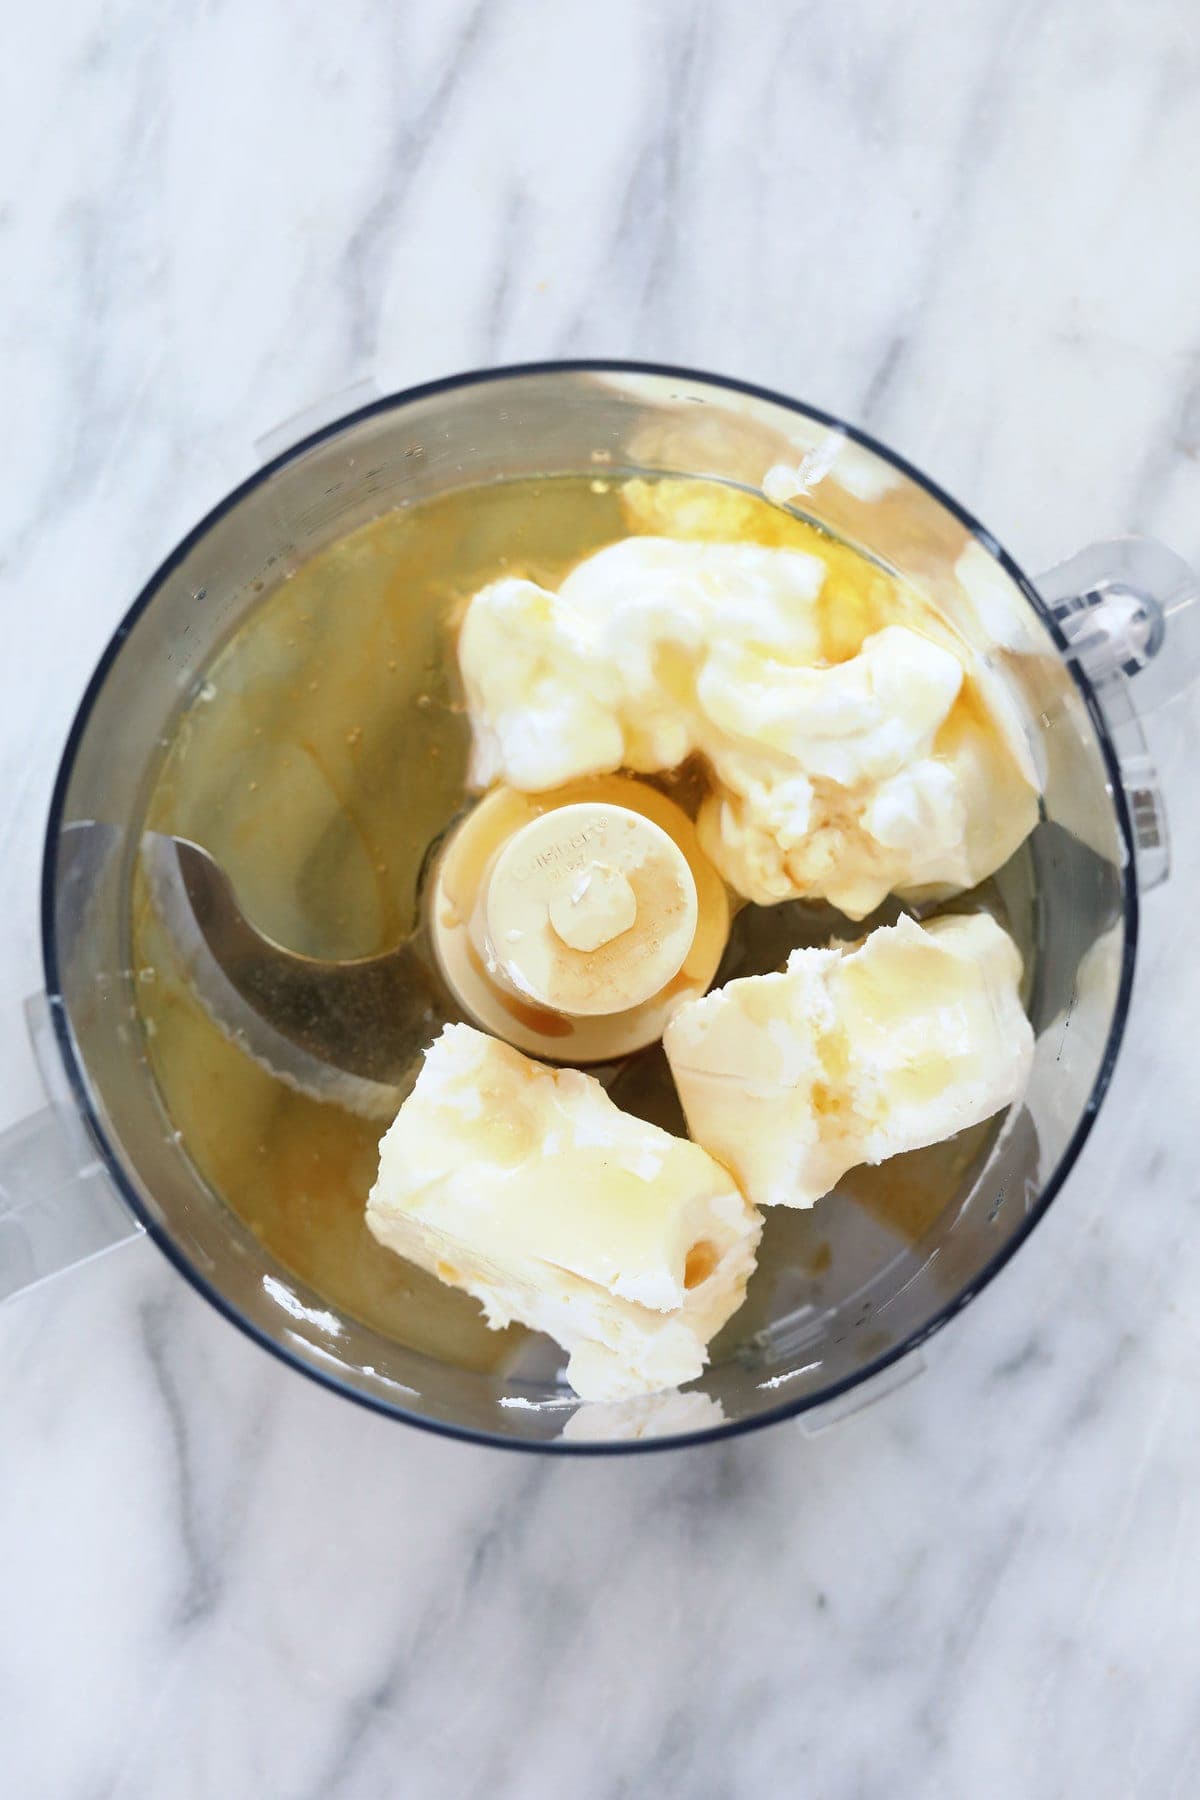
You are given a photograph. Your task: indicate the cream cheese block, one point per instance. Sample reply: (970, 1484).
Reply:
(527, 1187)
(850, 1056)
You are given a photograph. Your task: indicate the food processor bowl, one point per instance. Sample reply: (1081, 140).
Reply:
(857, 1296)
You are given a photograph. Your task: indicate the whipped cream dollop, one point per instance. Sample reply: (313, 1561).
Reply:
(886, 770)
(527, 1187)
(852, 1056)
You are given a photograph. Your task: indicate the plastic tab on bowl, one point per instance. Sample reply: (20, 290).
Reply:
(1129, 610)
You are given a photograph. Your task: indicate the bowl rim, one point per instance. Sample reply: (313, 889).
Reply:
(76, 1073)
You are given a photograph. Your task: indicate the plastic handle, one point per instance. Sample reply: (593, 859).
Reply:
(57, 1208)
(53, 1213)
(1129, 609)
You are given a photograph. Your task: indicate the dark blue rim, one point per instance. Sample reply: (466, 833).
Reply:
(75, 1074)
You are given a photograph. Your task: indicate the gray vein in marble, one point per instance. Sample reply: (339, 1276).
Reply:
(1177, 439)
(642, 252)
(425, 1638)
(202, 1589)
(1032, 1354)
(982, 115)
(100, 409)
(211, 1519)
(500, 302)
(373, 240)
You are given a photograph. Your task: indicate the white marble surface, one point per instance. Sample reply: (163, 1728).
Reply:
(971, 228)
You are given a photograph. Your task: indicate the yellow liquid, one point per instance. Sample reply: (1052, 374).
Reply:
(327, 750)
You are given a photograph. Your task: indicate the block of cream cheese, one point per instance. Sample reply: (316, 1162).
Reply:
(530, 1189)
(886, 770)
(851, 1056)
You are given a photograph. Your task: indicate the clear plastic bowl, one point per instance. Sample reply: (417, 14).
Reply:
(831, 1321)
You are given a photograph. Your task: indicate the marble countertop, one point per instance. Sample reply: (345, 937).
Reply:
(970, 229)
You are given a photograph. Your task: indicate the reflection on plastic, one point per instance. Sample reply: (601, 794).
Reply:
(673, 1414)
